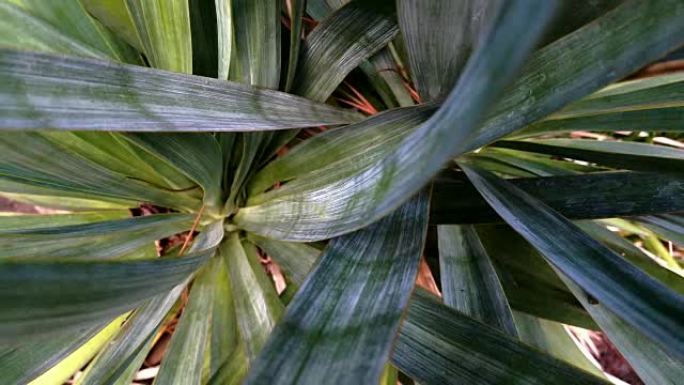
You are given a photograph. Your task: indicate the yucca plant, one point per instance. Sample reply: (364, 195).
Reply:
(342, 141)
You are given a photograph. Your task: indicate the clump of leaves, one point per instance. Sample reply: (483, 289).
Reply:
(235, 117)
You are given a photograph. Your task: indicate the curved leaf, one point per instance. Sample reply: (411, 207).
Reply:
(343, 205)
(440, 36)
(610, 48)
(638, 299)
(340, 43)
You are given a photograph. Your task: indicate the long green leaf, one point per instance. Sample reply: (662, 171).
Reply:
(524, 164)
(613, 46)
(625, 155)
(165, 32)
(635, 297)
(111, 364)
(340, 43)
(296, 14)
(45, 91)
(112, 150)
(552, 338)
(531, 285)
(224, 339)
(257, 305)
(10, 220)
(655, 119)
(440, 36)
(22, 30)
(256, 26)
(633, 254)
(39, 160)
(353, 202)
(21, 364)
(41, 297)
(594, 195)
(469, 281)
(182, 362)
(649, 93)
(671, 227)
(224, 21)
(646, 104)
(341, 323)
(654, 364)
(50, 296)
(438, 345)
(95, 240)
(56, 199)
(66, 368)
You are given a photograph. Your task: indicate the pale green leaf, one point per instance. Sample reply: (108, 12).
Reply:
(257, 306)
(164, 29)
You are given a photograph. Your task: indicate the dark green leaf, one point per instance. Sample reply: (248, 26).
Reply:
(624, 155)
(635, 297)
(608, 49)
(595, 195)
(197, 156)
(115, 15)
(438, 345)
(37, 298)
(440, 36)
(183, 361)
(469, 281)
(341, 323)
(531, 285)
